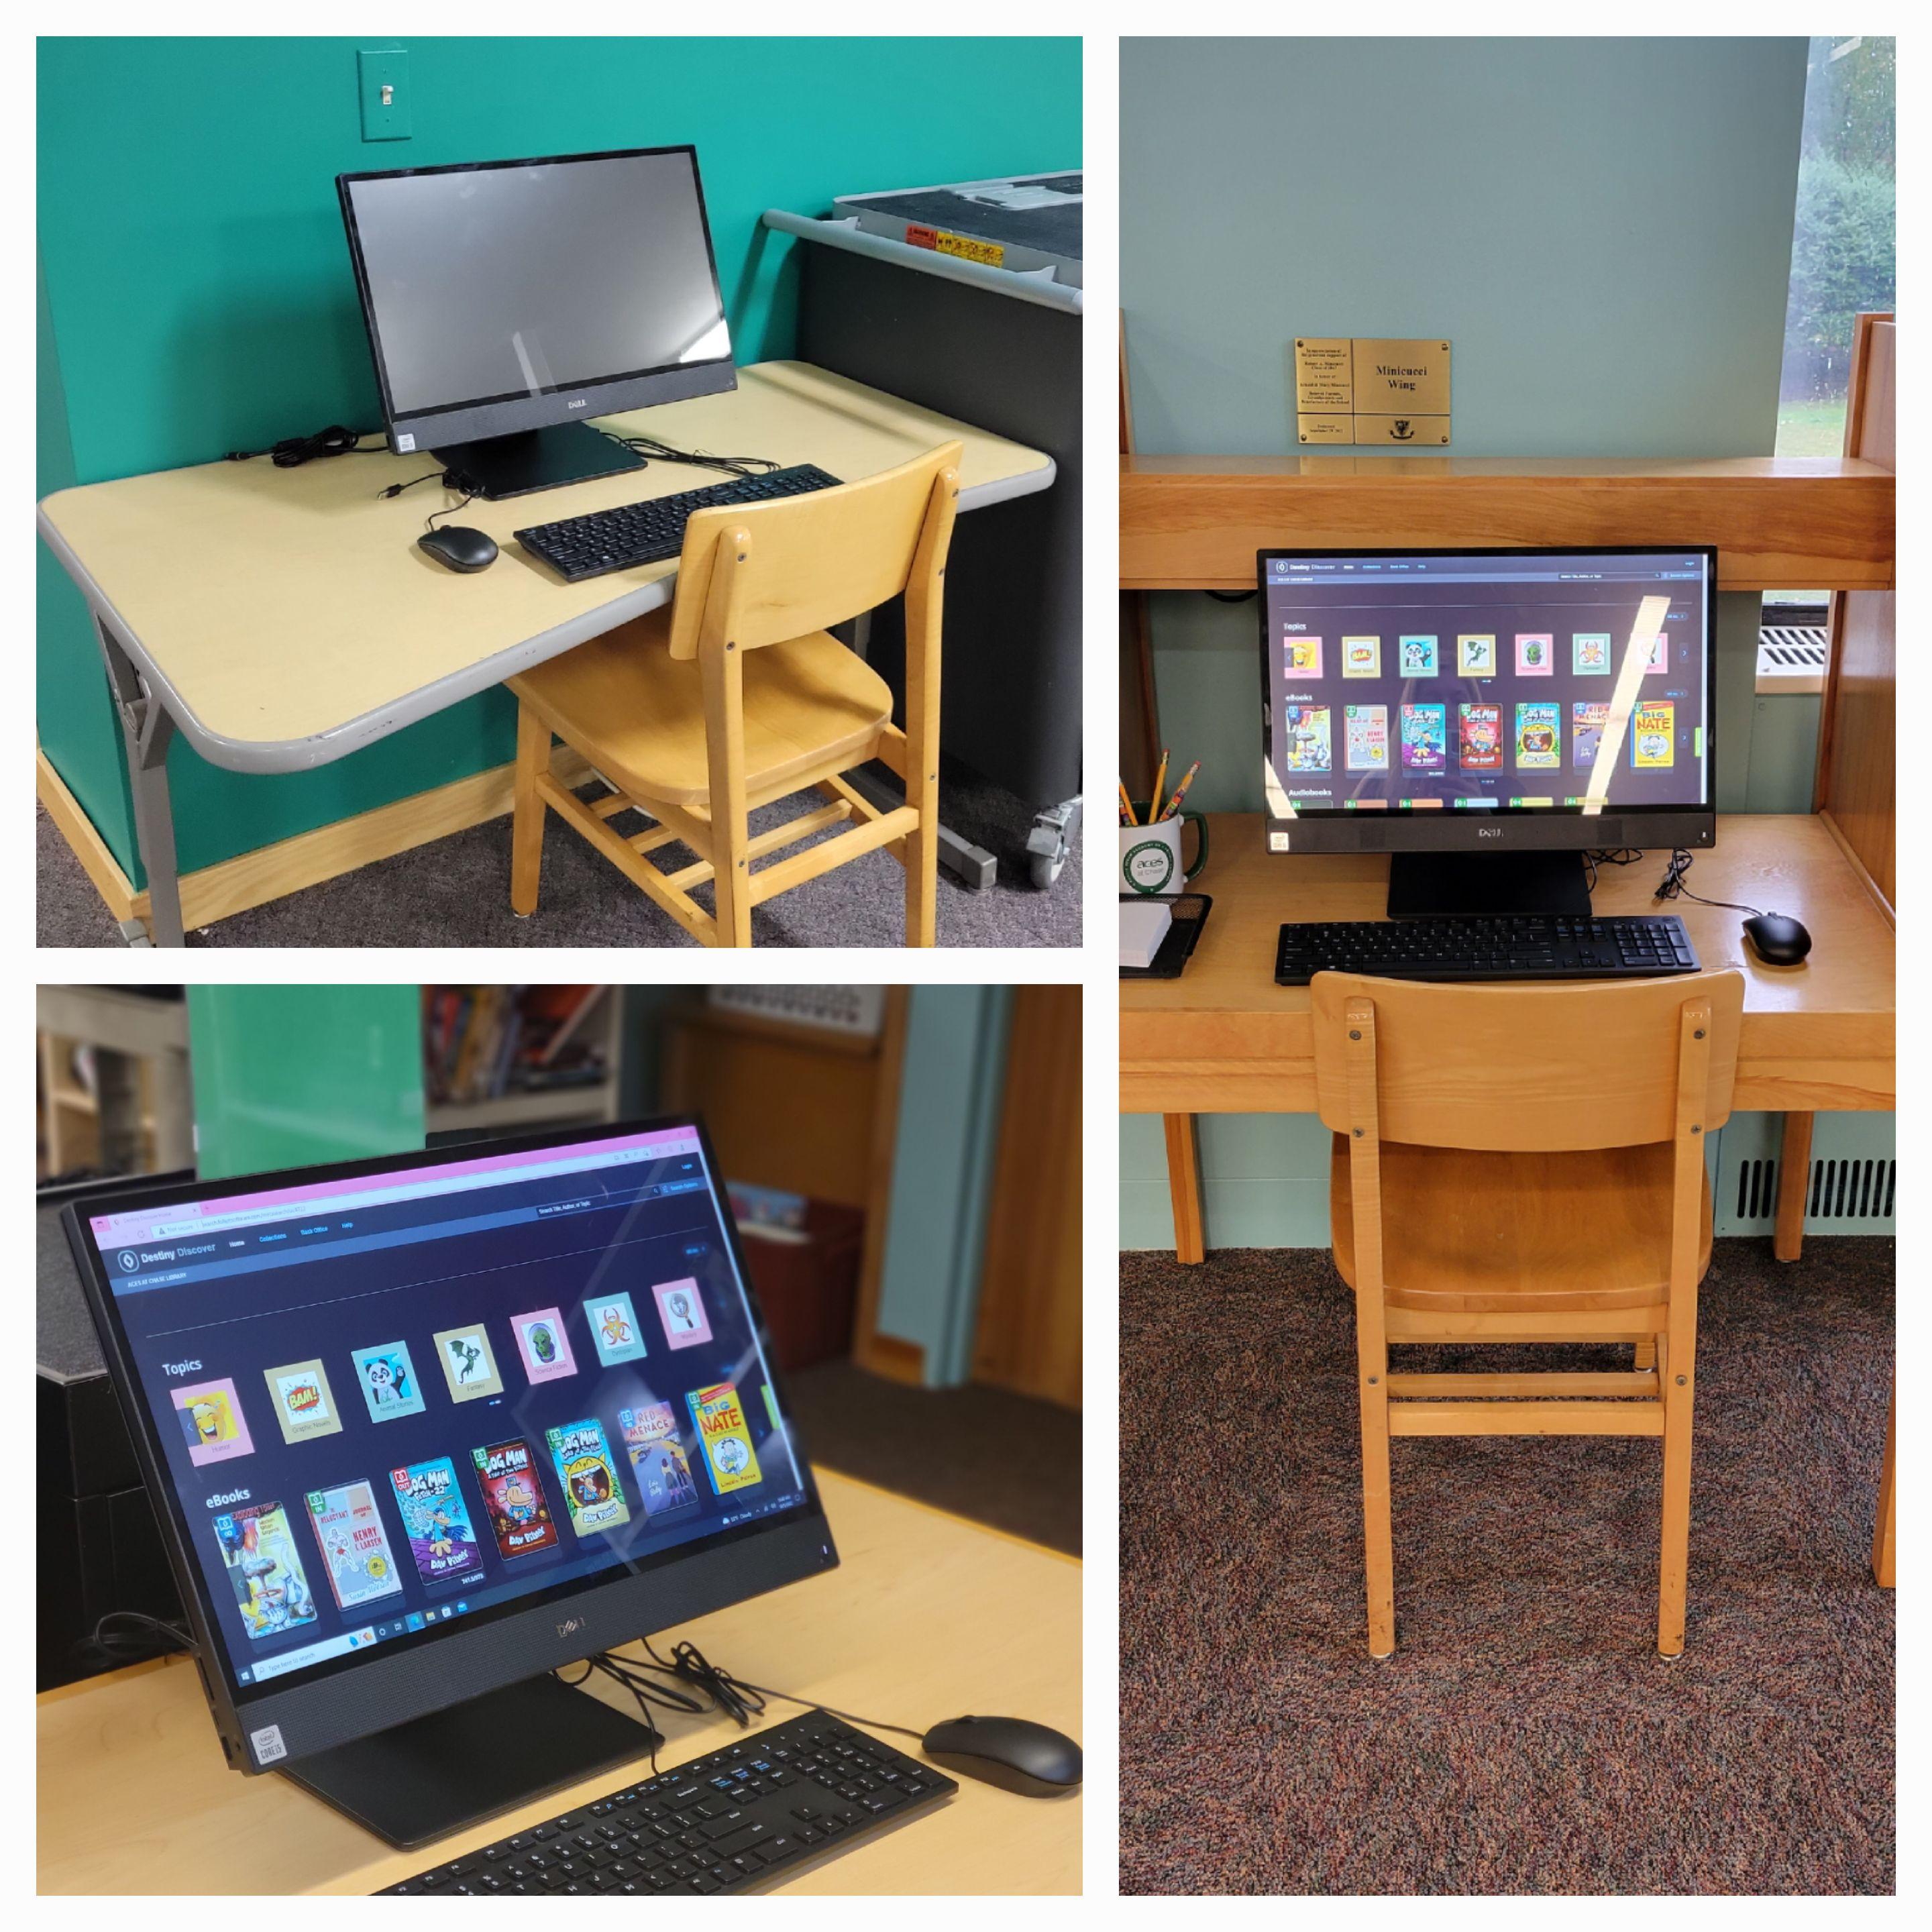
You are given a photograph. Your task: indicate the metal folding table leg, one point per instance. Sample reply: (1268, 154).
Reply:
(148, 729)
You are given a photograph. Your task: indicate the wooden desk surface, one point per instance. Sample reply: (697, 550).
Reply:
(928, 1617)
(289, 615)
(1224, 1038)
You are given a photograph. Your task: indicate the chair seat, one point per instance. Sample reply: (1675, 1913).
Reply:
(637, 714)
(1486, 1233)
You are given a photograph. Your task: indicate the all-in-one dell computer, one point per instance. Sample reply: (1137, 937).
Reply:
(1487, 718)
(420, 1430)
(508, 302)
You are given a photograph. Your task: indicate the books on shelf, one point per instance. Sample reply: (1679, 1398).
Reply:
(481, 1043)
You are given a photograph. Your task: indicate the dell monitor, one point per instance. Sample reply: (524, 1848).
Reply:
(1487, 716)
(508, 302)
(419, 1430)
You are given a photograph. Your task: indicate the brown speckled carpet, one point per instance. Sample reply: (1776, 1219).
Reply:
(1525, 1737)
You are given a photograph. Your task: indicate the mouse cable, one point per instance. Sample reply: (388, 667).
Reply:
(1673, 887)
(293, 451)
(449, 480)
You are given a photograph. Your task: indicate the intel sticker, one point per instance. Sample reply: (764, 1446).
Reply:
(268, 1745)
(404, 444)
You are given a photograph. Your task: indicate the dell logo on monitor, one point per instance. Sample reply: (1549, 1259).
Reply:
(1489, 831)
(578, 404)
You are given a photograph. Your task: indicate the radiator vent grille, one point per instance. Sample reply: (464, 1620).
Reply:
(1791, 658)
(1852, 1190)
(1757, 1189)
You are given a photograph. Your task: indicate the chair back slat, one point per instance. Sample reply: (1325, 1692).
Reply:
(813, 561)
(1526, 1067)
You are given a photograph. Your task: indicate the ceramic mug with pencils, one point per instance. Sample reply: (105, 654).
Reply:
(1150, 855)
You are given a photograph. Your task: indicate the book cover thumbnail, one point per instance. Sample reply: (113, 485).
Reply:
(1590, 653)
(1307, 748)
(1653, 735)
(513, 1498)
(1302, 656)
(356, 1554)
(1586, 724)
(1539, 743)
(543, 1344)
(1415, 657)
(1479, 738)
(264, 1567)
(589, 1477)
(1476, 655)
(725, 1440)
(615, 1331)
(436, 1520)
(1425, 732)
(1366, 727)
(1535, 654)
(658, 1460)
(681, 1308)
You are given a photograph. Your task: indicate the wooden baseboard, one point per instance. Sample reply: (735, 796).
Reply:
(310, 858)
(83, 841)
(887, 1355)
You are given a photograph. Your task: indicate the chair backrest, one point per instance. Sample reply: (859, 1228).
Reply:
(818, 560)
(1525, 1067)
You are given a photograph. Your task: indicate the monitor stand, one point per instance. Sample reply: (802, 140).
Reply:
(537, 459)
(1487, 885)
(434, 1775)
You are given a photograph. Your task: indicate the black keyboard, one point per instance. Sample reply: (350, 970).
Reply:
(741, 1819)
(648, 532)
(1633, 948)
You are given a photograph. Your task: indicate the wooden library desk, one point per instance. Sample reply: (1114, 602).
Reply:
(929, 1617)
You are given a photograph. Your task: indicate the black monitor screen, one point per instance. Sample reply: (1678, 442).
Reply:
(393, 1401)
(496, 281)
(1497, 681)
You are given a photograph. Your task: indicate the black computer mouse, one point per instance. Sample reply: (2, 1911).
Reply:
(460, 547)
(1010, 1752)
(1777, 939)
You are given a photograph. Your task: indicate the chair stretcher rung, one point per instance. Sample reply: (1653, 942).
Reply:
(1641, 1381)
(1526, 1418)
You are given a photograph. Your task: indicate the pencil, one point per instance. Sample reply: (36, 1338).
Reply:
(1126, 806)
(1159, 779)
(1181, 790)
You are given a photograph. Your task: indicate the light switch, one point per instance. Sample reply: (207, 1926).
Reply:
(383, 79)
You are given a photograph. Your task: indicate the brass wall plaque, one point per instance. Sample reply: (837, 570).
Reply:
(1371, 389)
(1323, 367)
(1401, 378)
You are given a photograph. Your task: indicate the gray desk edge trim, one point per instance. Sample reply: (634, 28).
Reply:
(297, 755)
(929, 262)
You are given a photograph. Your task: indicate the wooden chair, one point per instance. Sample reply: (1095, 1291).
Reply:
(736, 695)
(1524, 1163)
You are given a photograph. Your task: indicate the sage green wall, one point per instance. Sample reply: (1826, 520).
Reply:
(1602, 227)
(198, 297)
(288, 1076)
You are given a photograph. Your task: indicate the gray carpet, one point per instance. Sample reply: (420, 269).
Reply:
(1525, 1737)
(456, 892)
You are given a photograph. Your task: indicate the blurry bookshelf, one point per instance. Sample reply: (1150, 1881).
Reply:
(498, 1058)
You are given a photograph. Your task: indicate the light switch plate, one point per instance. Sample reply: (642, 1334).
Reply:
(385, 116)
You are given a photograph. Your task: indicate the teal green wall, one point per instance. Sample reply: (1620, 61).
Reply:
(286, 1076)
(1602, 227)
(949, 1098)
(198, 296)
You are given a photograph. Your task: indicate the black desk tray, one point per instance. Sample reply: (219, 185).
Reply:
(1189, 912)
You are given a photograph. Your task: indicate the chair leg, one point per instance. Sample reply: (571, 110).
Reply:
(922, 864)
(1378, 1537)
(731, 878)
(526, 823)
(1679, 1387)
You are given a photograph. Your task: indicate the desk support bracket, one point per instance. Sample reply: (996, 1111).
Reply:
(148, 730)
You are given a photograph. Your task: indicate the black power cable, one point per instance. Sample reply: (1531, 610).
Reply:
(652, 451)
(1673, 887)
(293, 451)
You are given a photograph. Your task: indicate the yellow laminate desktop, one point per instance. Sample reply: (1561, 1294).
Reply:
(928, 1617)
